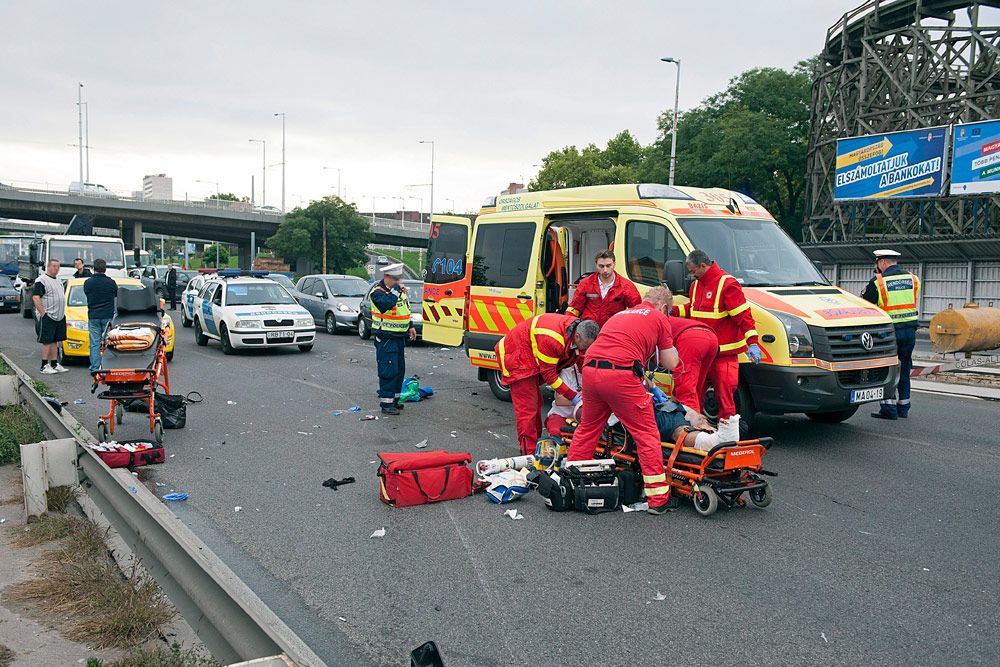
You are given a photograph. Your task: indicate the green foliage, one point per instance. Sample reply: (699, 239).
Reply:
(751, 137)
(359, 271)
(174, 656)
(17, 427)
(412, 259)
(619, 162)
(300, 236)
(208, 255)
(228, 196)
(42, 388)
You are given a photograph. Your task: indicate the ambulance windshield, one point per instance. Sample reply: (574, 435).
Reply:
(758, 253)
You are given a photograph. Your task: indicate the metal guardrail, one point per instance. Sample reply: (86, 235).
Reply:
(229, 618)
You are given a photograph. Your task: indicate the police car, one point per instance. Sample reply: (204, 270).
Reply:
(190, 293)
(241, 309)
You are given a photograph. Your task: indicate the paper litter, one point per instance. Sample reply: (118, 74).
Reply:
(378, 533)
(637, 507)
(659, 597)
(514, 515)
(237, 508)
(421, 444)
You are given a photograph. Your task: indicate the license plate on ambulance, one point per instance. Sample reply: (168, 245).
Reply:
(867, 395)
(280, 336)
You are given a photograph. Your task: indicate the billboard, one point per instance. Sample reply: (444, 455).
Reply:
(897, 164)
(975, 165)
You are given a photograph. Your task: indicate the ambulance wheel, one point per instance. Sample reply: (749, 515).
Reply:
(158, 431)
(185, 322)
(705, 500)
(227, 345)
(119, 413)
(102, 431)
(761, 497)
(199, 336)
(497, 386)
(833, 417)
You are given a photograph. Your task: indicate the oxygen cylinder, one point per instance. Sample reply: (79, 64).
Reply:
(967, 329)
(493, 466)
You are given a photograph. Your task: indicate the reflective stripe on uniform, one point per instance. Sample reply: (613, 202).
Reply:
(555, 385)
(503, 357)
(899, 304)
(534, 332)
(726, 347)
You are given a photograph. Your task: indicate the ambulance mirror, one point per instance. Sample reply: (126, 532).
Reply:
(677, 276)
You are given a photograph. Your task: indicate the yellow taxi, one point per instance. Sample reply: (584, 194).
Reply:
(77, 343)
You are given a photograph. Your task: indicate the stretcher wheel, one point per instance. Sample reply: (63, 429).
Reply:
(158, 431)
(102, 431)
(761, 497)
(705, 500)
(119, 413)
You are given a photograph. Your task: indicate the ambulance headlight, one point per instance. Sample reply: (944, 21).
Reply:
(245, 324)
(800, 342)
(303, 321)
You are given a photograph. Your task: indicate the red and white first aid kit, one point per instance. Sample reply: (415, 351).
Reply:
(419, 478)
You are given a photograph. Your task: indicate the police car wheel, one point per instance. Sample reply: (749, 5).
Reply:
(199, 336)
(185, 322)
(227, 345)
(497, 386)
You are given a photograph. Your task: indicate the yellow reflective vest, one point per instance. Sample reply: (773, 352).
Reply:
(395, 320)
(898, 295)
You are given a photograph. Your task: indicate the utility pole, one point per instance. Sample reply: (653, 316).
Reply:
(86, 135)
(282, 114)
(324, 245)
(673, 128)
(79, 113)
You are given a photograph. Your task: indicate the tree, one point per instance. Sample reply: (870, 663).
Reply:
(227, 196)
(208, 255)
(569, 167)
(300, 236)
(751, 137)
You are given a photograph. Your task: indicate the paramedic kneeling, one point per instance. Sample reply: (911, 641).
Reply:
(613, 383)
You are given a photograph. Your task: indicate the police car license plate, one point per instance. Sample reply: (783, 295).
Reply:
(867, 395)
(279, 336)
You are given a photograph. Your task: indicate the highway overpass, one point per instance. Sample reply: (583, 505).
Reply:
(229, 222)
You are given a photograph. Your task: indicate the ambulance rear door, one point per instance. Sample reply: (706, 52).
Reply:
(504, 267)
(446, 279)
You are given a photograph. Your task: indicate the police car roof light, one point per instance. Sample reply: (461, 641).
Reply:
(241, 273)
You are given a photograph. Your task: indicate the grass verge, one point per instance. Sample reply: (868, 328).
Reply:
(42, 388)
(17, 427)
(49, 527)
(60, 497)
(6, 656)
(4, 370)
(159, 657)
(80, 584)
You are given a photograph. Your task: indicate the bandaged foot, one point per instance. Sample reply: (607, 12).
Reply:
(729, 431)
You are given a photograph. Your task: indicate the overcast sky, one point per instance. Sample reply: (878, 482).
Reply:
(180, 87)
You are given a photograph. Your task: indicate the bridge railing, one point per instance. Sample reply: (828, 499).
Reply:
(393, 223)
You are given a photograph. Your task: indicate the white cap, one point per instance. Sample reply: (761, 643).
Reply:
(882, 254)
(393, 270)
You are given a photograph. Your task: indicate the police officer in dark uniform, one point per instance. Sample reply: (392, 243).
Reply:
(897, 292)
(390, 328)
(172, 286)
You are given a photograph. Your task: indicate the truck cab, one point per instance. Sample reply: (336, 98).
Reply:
(825, 351)
(66, 248)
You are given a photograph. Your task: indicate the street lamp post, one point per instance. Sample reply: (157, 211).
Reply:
(79, 112)
(218, 190)
(452, 208)
(432, 176)
(673, 127)
(263, 169)
(338, 178)
(282, 114)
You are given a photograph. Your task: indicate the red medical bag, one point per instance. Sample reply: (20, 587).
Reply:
(129, 453)
(418, 478)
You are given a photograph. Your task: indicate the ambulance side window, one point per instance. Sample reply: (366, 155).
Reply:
(648, 248)
(502, 255)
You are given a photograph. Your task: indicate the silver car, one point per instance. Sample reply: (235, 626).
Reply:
(332, 300)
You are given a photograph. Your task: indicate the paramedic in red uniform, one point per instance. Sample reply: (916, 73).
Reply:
(613, 383)
(717, 300)
(603, 293)
(533, 353)
(697, 346)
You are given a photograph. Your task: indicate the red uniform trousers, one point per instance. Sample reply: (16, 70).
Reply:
(725, 376)
(606, 391)
(697, 347)
(526, 395)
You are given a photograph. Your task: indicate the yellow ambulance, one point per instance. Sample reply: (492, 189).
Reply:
(825, 351)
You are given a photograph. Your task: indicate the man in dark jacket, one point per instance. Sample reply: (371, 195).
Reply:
(101, 293)
(81, 270)
(390, 328)
(172, 286)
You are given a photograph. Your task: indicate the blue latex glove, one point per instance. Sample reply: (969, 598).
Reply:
(578, 398)
(659, 396)
(754, 353)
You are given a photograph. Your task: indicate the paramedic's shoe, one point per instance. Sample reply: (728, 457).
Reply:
(61, 369)
(668, 506)
(48, 370)
(389, 409)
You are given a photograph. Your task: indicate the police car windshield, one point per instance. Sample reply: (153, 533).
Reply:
(257, 294)
(758, 253)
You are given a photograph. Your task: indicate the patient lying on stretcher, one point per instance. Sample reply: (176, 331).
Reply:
(673, 420)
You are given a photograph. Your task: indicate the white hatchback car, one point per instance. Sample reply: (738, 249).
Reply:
(244, 310)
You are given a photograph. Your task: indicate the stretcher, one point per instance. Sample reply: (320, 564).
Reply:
(719, 477)
(133, 361)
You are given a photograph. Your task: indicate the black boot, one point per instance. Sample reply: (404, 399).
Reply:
(389, 409)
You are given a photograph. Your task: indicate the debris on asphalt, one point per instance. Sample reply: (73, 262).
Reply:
(637, 507)
(367, 418)
(659, 597)
(230, 402)
(334, 483)
(454, 434)
(337, 413)
(303, 433)
(421, 444)
(79, 401)
(175, 497)
(159, 483)
(354, 408)
(378, 533)
(341, 618)
(3, 520)
(133, 489)
(823, 635)
(514, 515)
(237, 508)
